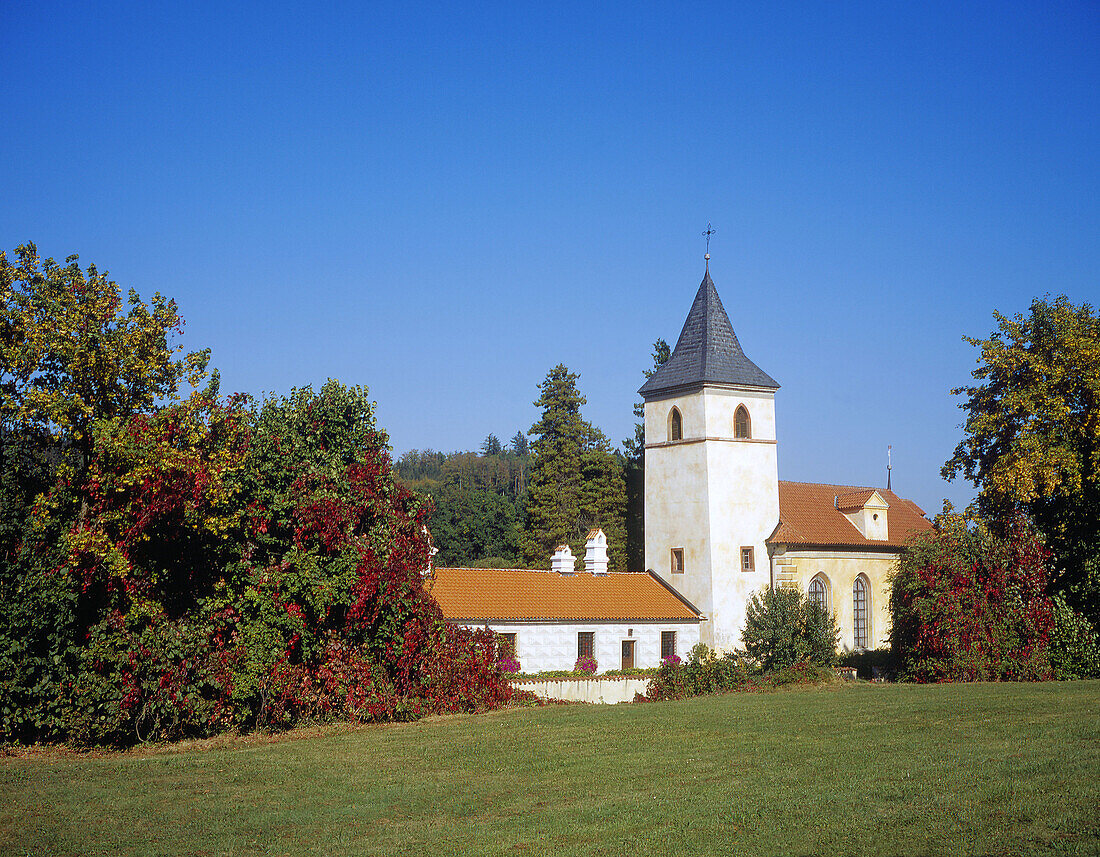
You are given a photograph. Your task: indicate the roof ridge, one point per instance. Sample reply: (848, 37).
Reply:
(833, 485)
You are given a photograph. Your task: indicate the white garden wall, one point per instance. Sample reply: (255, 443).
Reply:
(606, 691)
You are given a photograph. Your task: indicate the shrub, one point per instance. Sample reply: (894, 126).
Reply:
(803, 672)
(968, 606)
(231, 570)
(783, 628)
(707, 673)
(1074, 644)
(704, 673)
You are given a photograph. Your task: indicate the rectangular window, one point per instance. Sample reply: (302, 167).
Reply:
(747, 563)
(668, 644)
(585, 644)
(506, 646)
(677, 560)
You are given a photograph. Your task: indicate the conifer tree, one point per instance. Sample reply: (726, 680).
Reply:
(576, 481)
(634, 447)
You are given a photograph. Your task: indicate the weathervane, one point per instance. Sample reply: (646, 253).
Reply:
(707, 233)
(889, 464)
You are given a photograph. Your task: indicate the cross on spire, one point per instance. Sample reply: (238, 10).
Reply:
(706, 234)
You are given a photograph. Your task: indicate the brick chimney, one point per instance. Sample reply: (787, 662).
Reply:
(595, 553)
(563, 561)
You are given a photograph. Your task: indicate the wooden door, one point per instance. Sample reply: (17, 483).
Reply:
(628, 654)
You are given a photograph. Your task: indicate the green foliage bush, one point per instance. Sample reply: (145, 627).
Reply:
(706, 673)
(782, 628)
(703, 673)
(633, 672)
(1074, 643)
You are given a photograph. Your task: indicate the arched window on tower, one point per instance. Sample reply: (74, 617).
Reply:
(860, 612)
(819, 592)
(675, 425)
(741, 425)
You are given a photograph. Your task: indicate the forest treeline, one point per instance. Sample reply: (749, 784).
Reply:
(511, 505)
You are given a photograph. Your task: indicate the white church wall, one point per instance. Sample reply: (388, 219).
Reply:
(553, 646)
(744, 509)
(840, 569)
(712, 494)
(676, 513)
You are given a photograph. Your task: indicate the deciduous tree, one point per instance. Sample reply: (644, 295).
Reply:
(1032, 436)
(70, 354)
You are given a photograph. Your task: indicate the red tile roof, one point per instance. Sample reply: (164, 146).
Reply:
(807, 516)
(500, 594)
(854, 499)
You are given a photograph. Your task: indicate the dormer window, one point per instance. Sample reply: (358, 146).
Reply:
(867, 509)
(742, 428)
(675, 425)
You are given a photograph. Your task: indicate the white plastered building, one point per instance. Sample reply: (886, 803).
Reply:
(550, 619)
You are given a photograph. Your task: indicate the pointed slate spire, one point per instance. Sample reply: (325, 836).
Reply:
(707, 352)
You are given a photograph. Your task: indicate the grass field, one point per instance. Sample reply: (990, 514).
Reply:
(857, 769)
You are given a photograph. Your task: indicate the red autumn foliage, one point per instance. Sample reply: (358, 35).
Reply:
(228, 580)
(968, 606)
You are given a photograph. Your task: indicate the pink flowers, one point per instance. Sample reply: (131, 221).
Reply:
(586, 665)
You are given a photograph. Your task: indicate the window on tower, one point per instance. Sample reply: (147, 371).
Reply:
(677, 560)
(747, 563)
(675, 425)
(742, 427)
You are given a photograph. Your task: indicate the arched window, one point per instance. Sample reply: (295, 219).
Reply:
(819, 592)
(860, 611)
(741, 425)
(675, 425)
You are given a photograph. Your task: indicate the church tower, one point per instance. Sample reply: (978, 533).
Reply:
(711, 471)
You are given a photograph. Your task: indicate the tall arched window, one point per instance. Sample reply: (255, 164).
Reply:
(860, 610)
(819, 592)
(675, 425)
(741, 425)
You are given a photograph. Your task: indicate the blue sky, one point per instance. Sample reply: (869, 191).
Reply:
(442, 203)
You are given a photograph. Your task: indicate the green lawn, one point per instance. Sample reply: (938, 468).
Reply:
(859, 769)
